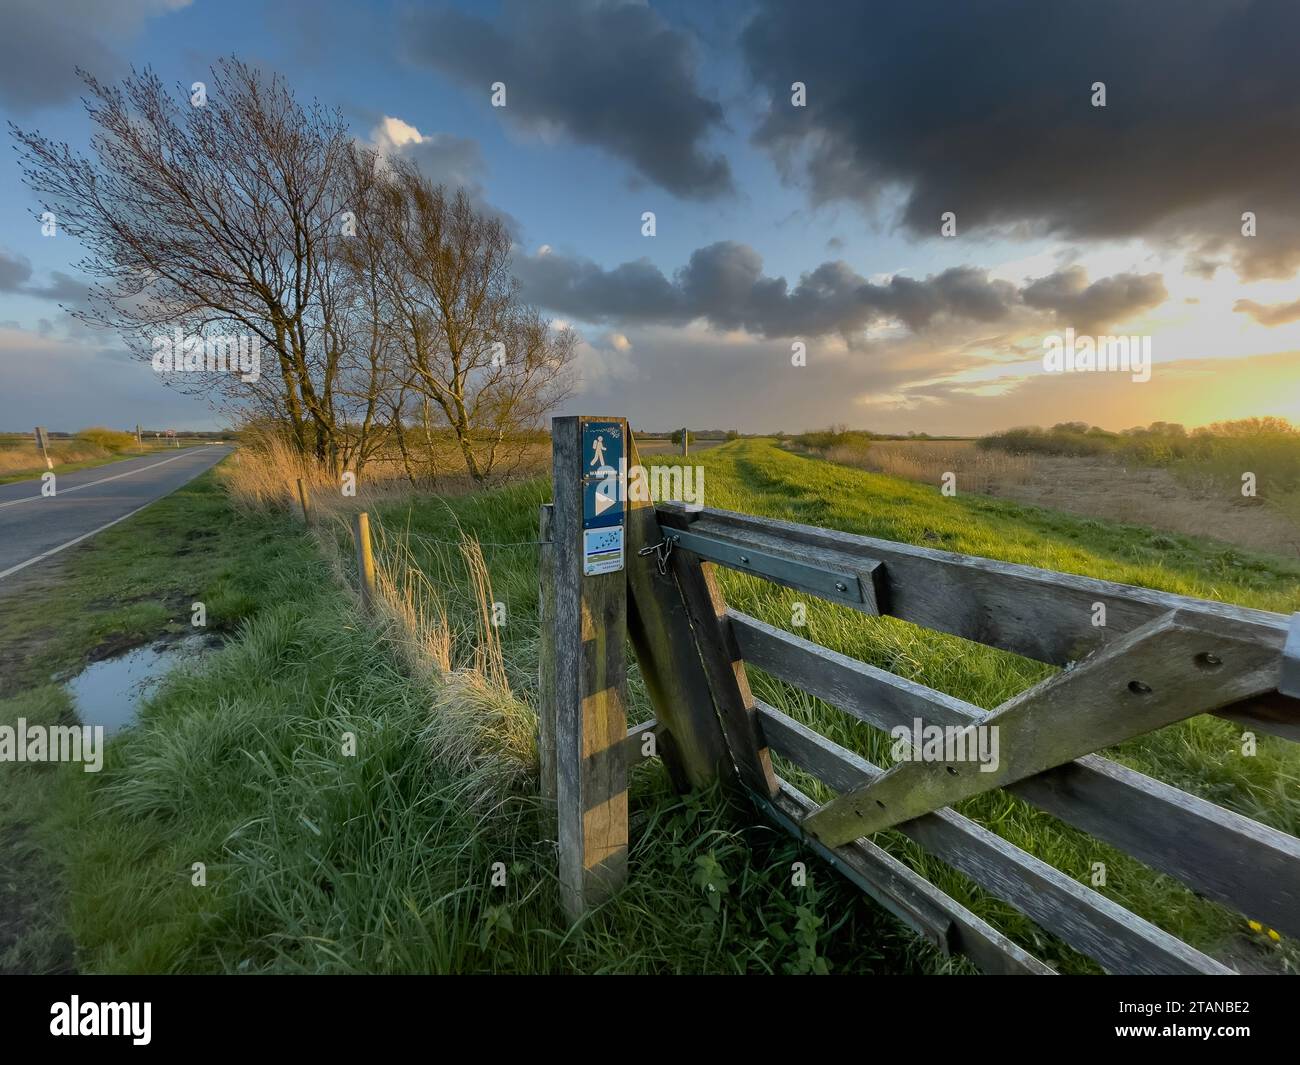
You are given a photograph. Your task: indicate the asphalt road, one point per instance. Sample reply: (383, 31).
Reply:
(34, 527)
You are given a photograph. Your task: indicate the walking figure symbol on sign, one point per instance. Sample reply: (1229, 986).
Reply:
(598, 450)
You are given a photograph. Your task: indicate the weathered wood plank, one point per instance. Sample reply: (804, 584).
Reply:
(1218, 853)
(590, 714)
(934, 916)
(724, 671)
(1091, 923)
(546, 667)
(1165, 671)
(664, 643)
(1042, 614)
(1273, 713)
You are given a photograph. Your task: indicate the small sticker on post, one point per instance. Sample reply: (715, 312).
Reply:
(602, 550)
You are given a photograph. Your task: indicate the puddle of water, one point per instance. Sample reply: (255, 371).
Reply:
(109, 693)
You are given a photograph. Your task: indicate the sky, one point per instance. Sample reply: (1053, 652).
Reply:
(893, 248)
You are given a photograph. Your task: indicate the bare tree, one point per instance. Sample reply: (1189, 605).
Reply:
(213, 216)
(486, 362)
(372, 387)
(379, 296)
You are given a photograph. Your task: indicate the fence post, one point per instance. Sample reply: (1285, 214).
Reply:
(302, 498)
(41, 443)
(365, 559)
(546, 618)
(723, 666)
(589, 689)
(686, 447)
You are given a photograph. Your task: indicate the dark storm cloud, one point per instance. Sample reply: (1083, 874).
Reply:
(62, 288)
(16, 277)
(633, 292)
(611, 75)
(1089, 307)
(985, 110)
(724, 284)
(15, 271)
(43, 44)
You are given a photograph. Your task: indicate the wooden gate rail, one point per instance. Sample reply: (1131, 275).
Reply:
(1158, 659)
(1214, 851)
(1047, 616)
(1041, 614)
(1083, 918)
(936, 917)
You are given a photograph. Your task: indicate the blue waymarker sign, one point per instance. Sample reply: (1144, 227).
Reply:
(602, 495)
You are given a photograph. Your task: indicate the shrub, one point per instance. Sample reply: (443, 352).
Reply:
(1266, 447)
(1071, 439)
(110, 439)
(1216, 455)
(837, 436)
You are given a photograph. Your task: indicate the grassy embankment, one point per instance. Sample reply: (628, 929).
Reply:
(20, 460)
(317, 861)
(126, 587)
(322, 862)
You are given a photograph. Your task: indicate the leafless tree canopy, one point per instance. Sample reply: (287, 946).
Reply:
(383, 304)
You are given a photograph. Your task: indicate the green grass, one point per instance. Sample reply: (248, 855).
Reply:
(123, 588)
(1202, 755)
(318, 861)
(133, 582)
(754, 476)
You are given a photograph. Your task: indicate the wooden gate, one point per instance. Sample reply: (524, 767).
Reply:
(1159, 659)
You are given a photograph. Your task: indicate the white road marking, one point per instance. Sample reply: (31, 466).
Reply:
(83, 536)
(93, 532)
(105, 480)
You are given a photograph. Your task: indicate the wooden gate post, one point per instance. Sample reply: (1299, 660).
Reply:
(660, 630)
(546, 657)
(588, 685)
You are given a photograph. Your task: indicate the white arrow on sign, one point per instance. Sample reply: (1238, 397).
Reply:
(604, 502)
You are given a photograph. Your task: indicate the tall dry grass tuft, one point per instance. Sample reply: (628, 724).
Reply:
(24, 456)
(419, 628)
(927, 461)
(489, 662)
(263, 475)
(433, 607)
(476, 723)
(850, 454)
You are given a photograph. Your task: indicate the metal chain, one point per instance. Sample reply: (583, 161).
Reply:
(661, 551)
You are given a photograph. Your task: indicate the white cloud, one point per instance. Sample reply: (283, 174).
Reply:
(393, 133)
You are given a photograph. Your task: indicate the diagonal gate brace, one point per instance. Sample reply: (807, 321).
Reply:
(1169, 669)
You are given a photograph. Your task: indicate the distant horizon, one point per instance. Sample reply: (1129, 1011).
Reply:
(933, 434)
